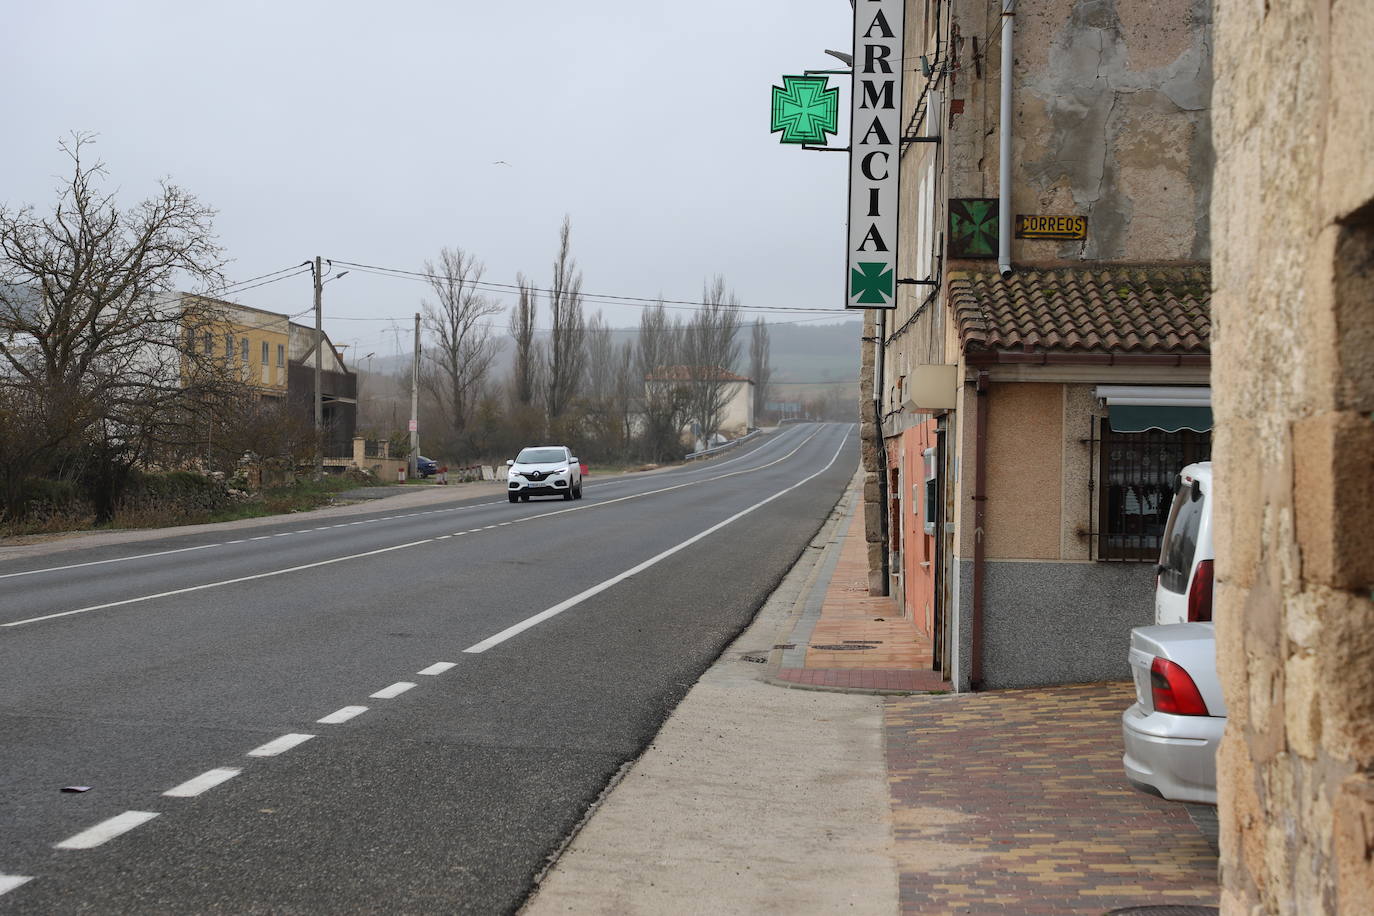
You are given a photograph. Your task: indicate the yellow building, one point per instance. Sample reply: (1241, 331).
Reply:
(251, 343)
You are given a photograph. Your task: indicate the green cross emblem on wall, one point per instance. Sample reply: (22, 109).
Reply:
(805, 110)
(871, 282)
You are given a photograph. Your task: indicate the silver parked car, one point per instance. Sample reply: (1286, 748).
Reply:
(1173, 730)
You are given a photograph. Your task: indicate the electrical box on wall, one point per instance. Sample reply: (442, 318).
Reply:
(932, 387)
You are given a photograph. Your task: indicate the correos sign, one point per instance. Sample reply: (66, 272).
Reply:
(874, 155)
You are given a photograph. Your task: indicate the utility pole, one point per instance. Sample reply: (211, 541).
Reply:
(319, 397)
(415, 401)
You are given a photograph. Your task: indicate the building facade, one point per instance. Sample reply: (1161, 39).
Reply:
(1026, 408)
(274, 358)
(338, 387)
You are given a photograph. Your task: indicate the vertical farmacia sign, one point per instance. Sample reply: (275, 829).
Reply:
(875, 155)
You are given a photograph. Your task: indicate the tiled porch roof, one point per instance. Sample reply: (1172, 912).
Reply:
(1117, 309)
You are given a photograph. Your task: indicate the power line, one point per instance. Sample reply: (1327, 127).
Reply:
(231, 286)
(595, 298)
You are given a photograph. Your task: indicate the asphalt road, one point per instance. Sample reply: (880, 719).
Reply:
(470, 677)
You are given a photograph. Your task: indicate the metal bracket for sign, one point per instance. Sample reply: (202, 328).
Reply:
(920, 139)
(909, 282)
(826, 149)
(829, 72)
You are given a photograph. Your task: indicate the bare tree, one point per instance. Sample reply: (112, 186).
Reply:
(710, 351)
(566, 356)
(463, 344)
(610, 389)
(525, 371)
(657, 365)
(759, 369)
(91, 333)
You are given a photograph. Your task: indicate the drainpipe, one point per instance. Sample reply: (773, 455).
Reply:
(980, 498)
(1004, 232)
(879, 386)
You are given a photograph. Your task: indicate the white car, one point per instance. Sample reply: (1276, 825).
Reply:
(1172, 732)
(545, 470)
(1183, 591)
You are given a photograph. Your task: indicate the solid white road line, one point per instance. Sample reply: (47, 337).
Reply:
(437, 668)
(207, 780)
(160, 553)
(279, 746)
(10, 882)
(264, 537)
(356, 556)
(199, 588)
(105, 831)
(395, 690)
(577, 599)
(342, 715)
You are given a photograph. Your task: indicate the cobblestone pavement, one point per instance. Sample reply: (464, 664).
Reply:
(1015, 802)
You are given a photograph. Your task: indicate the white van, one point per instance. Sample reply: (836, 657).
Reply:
(1183, 589)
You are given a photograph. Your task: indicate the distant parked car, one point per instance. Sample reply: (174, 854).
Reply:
(1183, 591)
(1172, 732)
(424, 467)
(546, 470)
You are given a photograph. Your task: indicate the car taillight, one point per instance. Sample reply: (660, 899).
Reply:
(1200, 594)
(1174, 691)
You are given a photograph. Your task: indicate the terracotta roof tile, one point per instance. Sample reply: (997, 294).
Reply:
(1123, 309)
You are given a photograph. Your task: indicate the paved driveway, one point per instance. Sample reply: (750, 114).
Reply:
(1014, 802)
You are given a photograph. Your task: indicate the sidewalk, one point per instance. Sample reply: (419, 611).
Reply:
(844, 638)
(836, 797)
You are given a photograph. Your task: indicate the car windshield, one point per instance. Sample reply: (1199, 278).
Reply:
(540, 456)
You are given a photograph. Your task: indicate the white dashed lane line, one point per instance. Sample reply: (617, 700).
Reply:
(280, 745)
(278, 572)
(105, 831)
(264, 537)
(10, 882)
(204, 782)
(437, 668)
(342, 715)
(395, 690)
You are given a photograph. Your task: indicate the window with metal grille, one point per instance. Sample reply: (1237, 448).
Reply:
(1133, 484)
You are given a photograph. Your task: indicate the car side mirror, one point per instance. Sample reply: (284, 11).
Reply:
(573, 461)
(510, 462)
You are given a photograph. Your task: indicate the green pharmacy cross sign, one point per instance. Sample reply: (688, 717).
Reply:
(805, 110)
(872, 283)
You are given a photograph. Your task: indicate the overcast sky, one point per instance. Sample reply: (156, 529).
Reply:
(369, 133)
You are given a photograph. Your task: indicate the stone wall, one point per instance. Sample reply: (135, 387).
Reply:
(1293, 393)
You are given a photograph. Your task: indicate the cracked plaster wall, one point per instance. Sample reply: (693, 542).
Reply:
(1112, 121)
